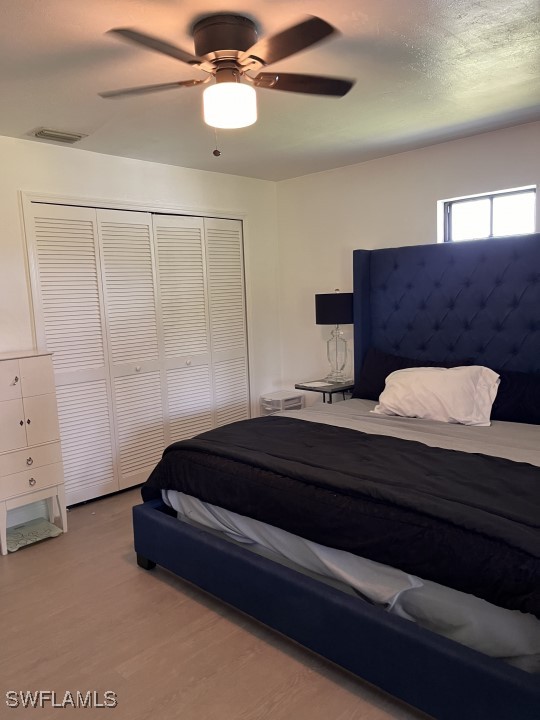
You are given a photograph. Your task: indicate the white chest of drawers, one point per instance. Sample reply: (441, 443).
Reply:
(30, 455)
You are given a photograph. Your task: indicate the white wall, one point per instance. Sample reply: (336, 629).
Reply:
(381, 203)
(40, 168)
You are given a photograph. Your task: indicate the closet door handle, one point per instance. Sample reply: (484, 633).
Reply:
(21, 423)
(16, 379)
(32, 482)
(28, 421)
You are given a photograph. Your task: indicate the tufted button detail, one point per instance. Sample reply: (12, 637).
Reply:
(477, 300)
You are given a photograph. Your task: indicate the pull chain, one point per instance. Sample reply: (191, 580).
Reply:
(216, 152)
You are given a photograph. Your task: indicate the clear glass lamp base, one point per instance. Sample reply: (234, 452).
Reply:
(336, 378)
(336, 350)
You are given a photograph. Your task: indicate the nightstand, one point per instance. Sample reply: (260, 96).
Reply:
(326, 388)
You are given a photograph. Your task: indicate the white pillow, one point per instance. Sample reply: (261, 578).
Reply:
(454, 395)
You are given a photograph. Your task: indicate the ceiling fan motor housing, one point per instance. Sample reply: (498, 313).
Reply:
(223, 36)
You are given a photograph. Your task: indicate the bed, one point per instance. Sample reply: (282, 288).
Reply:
(442, 303)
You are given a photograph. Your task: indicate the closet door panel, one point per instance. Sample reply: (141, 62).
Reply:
(71, 320)
(129, 288)
(189, 397)
(226, 299)
(86, 429)
(131, 313)
(70, 323)
(180, 260)
(140, 425)
(181, 281)
(231, 391)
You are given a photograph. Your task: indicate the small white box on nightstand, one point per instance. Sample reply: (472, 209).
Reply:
(281, 400)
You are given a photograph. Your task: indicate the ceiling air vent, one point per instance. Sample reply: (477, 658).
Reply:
(57, 135)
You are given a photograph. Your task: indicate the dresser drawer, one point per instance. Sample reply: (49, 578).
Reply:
(31, 480)
(29, 458)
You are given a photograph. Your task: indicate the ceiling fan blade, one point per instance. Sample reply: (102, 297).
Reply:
(153, 43)
(311, 84)
(143, 89)
(288, 42)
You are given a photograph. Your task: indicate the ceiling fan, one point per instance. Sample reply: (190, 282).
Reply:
(227, 48)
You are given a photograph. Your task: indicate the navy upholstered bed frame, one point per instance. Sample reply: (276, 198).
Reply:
(478, 300)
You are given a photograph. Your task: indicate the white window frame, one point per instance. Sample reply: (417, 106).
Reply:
(446, 209)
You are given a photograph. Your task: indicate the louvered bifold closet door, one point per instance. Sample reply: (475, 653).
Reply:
(69, 323)
(184, 324)
(131, 315)
(226, 299)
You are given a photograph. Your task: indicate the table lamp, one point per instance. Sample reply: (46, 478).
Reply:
(335, 309)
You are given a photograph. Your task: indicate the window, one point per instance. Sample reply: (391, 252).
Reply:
(511, 212)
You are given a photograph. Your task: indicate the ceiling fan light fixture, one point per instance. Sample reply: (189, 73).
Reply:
(230, 105)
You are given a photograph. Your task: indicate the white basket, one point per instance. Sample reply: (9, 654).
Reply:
(281, 400)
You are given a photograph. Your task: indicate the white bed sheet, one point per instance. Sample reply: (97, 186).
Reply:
(498, 632)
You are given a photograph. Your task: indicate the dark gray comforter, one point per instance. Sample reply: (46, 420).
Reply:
(467, 521)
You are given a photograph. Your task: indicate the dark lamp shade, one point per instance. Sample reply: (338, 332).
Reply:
(334, 309)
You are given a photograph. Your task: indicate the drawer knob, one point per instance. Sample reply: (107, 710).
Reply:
(29, 461)
(138, 368)
(188, 362)
(32, 482)
(16, 379)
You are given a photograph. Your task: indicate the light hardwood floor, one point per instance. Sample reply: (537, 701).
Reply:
(77, 613)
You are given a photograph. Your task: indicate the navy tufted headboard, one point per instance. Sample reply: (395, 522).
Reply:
(478, 300)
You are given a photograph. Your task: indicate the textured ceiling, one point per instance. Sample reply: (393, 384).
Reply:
(426, 71)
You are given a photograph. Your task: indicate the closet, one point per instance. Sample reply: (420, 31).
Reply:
(145, 317)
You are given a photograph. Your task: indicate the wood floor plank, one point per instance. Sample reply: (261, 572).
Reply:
(79, 614)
